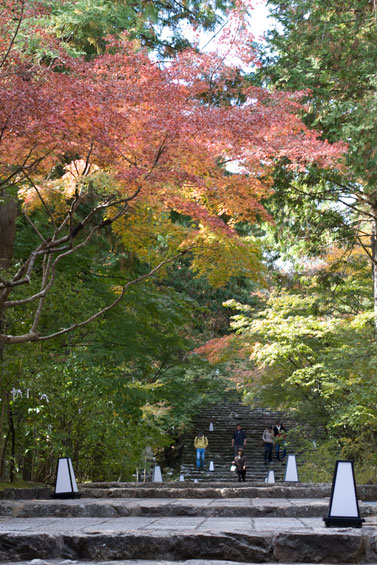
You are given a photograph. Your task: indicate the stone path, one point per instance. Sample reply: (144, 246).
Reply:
(224, 418)
(136, 562)
(194, 530)
(268, 540)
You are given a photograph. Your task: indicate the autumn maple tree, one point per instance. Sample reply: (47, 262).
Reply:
(122, 142)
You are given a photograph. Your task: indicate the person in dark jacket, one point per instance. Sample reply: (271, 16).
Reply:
(240, 463)
(238, 439)
(279, 439)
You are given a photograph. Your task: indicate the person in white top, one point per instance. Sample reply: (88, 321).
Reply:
(268, 440)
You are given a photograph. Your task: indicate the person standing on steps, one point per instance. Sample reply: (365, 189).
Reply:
(200, 444)
(268, 440)
(279, 438)
(240, 463)
(238, 439)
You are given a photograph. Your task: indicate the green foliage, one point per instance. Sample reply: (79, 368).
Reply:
(313, 353)
(329, 49)
(127, 384)
(81, 26)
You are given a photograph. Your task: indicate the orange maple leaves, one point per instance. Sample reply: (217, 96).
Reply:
(171, 136)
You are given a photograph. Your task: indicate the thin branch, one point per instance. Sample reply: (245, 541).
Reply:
(365, 247)
(34, 227)
(348, 204)
(356, 209)
(133, 163)
(68, 250)
(46, 269)
(40, 198)
(87, 162)
(15, 33)
(33, 335)
(49, 247)
(347, 188)
(23, 166)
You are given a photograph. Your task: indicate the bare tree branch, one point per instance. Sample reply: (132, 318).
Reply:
(366, 248)
(40, 198)
(5, 182)
(46, 270)
(32, 335)
(34, 227)
(15, 33)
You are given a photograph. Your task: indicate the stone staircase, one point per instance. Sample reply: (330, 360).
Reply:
(170, 523)
(208, 523)
(224, 418)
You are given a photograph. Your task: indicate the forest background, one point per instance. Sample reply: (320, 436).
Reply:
(176, 223)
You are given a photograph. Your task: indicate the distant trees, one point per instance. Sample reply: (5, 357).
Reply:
(329, 49)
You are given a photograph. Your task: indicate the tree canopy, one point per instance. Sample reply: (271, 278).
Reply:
(128, 163)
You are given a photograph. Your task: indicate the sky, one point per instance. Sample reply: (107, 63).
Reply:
(258, 20)
(259, 23)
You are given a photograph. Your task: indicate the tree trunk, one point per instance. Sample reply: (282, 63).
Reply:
(374, 269)
(8, 215)
(12, 463)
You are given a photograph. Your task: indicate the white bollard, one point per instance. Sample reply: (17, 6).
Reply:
(65, 486)
(157, 475)
(344, 507)
(291, 474)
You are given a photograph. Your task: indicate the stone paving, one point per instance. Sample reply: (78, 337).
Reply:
(136, 562)
(62, 526)
(222, 530)
(248, 540)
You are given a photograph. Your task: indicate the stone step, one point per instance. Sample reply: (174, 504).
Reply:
(253, 540)
(187, 489)
(143, 562)
(224, 418)
(253, 508)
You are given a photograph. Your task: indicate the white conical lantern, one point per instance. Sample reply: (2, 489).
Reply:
(65, 486)
(344, 507)
(211, 428)
(270, 477)
(211, 466)
(291, 474)
(181, 477)
(157, 475)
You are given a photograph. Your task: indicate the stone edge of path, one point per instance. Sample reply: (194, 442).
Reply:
(115, 508)
(188, 490)
(320, 546)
